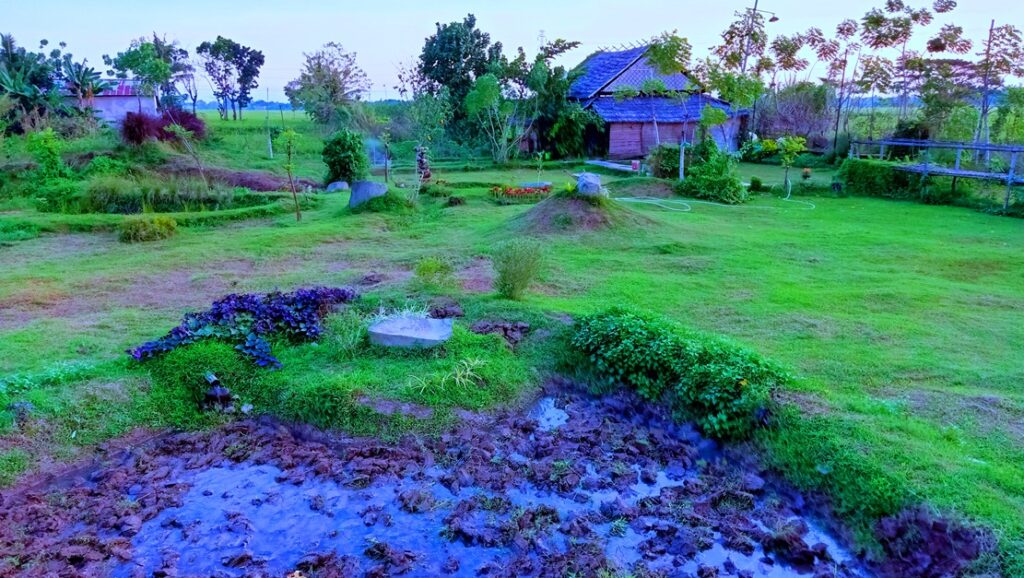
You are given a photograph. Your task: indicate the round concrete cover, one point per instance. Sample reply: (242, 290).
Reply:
(411, 332)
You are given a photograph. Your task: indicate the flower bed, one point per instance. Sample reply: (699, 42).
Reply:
(506, 195)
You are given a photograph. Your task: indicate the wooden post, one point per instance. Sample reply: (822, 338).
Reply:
(1009, 181)
(881, 154)
(959, 152)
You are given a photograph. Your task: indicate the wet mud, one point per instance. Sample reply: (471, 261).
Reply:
(571, 485)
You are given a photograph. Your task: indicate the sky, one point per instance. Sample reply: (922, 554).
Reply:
(387, 34)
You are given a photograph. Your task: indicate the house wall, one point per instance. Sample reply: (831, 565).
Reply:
(113, 109)
(632, 140)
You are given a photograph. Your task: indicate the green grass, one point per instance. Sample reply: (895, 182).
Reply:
(903, 322)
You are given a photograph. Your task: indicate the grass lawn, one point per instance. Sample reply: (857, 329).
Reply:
(902, 322)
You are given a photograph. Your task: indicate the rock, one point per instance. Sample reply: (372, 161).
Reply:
(538, 185)
(411, 332)
(363, 191)
(512, 331)
(446, 310)
(371, 279)
(337, 186)
(589, 185)
(455, 201)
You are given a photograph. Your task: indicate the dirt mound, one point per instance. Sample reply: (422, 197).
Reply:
(642, 187)
(561, 214)
(259, 181)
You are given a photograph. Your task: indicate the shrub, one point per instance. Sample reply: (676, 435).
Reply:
(184, 119)
(516, 263)
(345, 157)
(871, 178)
(109, 194)
(250, 320)
(437, 189)
(664, 161)
(139, 127)
(106, 166)
(324, 403)
(145, 229)
(435, 272)
(756, 185)
(713, 178)
(722, 386)
(56, 195)
(46, 148)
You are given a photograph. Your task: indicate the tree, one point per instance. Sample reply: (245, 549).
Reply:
(876, 77)
(84, 82)
(233, 70)
(500, 118)
(218, 64)
(144, 63)
(329, 85)
(181, 69)
(1003, 55)
(454, 57)
(790, 147)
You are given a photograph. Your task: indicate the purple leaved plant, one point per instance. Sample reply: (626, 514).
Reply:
(249, 320)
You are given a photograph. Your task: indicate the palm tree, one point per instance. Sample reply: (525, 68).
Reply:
(84, 82)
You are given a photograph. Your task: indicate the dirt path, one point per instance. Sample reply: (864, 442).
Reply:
(573, 486)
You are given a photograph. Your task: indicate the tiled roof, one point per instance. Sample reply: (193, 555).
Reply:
(635, 76)
(601, 68)
(118, 87)
(665, 109)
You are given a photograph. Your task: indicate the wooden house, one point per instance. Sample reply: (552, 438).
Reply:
(637, 124)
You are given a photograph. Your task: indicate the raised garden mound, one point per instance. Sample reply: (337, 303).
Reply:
(568, 214)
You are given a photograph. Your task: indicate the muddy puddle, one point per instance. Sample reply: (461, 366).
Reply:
(575, 485)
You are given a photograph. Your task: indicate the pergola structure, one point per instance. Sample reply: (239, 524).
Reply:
(924, 165)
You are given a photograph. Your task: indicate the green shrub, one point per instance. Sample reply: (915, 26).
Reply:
(388, 203)
(438, 189)
(56, 195)
(811, 161)
(345, 157)
(145, 229)
(719, 384)
(664, 161)
(180, 384)
(106, 166)
(713, 180)
(756, 185)
(435, 272)
(46, 147)
(516, 263)
(110, 194)
(871, 178)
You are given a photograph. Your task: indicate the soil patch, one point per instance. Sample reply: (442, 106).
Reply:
(576, 485)
(478, 276)
(258, 181)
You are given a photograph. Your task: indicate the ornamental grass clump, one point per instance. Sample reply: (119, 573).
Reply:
(249, 322)
(146, 229)
(516, 263)
(725, 388)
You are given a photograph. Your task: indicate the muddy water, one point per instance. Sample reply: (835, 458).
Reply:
(574, 485)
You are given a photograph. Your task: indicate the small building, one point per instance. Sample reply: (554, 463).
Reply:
(630, 122)
(112, 105)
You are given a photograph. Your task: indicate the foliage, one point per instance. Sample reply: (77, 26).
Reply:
(871, 178)
(438, 189)
(143, 62)
(139, 127)
(498, 116)
(233, 70)
(435, 272)
(145, 229)
(712, 177)
(568, 133)
(756, 185)
(329, 85)
(721, 385)
(664, 161)
(46, 147)
(249, 321)
(180, 379)
(106, 166)
(516, 263)
(345, 157)
(454, 57)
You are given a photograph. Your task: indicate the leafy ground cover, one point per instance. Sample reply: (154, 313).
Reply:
(901, 322)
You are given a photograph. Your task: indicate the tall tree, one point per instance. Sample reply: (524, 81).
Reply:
(1002, 56)
(233, 71)
(144, 63)
(454, 57)
(329, 85)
